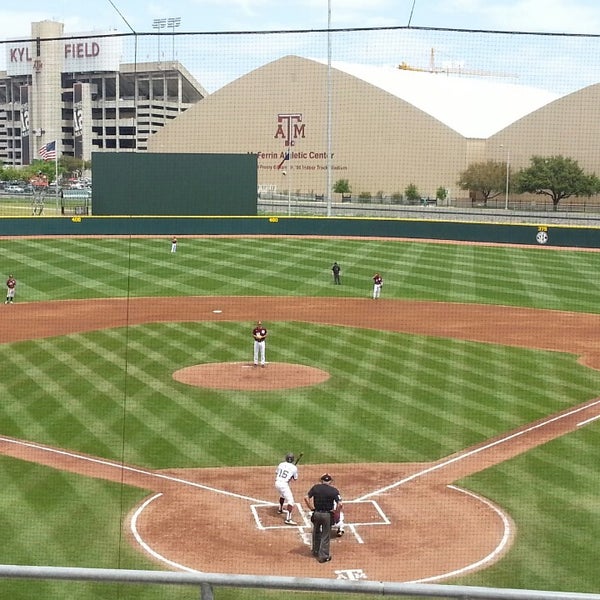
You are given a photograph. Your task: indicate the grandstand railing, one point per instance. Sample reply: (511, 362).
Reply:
(206, 582)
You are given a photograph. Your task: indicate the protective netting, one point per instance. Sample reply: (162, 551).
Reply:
(125, 92)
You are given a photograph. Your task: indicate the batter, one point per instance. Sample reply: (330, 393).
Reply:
(286, 471)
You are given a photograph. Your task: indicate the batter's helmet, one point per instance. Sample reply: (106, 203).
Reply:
(289, 457)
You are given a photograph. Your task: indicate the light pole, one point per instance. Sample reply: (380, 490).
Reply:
(507, 185)
(173, 22)
(329, 108)
(159, 24)
(507, 178)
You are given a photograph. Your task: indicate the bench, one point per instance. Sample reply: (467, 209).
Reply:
(76, 200)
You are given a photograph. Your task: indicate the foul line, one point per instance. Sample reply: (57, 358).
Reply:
(490, 557)
(588, 421)
(464, 455)
(107, 463)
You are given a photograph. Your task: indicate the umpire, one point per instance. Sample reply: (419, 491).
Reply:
(322, 498)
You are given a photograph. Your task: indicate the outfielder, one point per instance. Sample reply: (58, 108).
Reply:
(377, 285)
(259, 333)
(173, 244)
(11, 285)
(285, 472)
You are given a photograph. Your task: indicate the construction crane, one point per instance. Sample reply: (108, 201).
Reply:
(454, 70)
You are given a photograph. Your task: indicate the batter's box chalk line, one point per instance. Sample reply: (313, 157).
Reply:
(302, 518)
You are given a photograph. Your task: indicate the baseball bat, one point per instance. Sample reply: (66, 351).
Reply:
(299, 457)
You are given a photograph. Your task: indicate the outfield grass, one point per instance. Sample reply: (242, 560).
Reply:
(406, 398)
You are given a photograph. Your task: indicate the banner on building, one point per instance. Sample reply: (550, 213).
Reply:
(78, 120)
(25, 124)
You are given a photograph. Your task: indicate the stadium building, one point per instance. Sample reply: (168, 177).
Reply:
(73, 91)
(390, 127)
(381, 128)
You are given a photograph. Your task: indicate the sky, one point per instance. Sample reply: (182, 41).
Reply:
(538, 61)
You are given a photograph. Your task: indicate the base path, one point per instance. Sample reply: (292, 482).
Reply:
(406, 522)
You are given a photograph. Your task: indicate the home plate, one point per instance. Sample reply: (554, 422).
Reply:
(217, 312)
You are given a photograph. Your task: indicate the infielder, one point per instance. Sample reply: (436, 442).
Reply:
(377, 285)
(285, 472)
(335, 272)
(259, 333)
(11, 285)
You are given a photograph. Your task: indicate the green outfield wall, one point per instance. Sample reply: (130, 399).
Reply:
(542, 235)
(174, 184)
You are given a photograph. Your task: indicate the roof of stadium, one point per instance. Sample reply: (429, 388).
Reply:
(475, 107)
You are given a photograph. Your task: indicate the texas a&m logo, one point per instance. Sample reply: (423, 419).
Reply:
(289, 128)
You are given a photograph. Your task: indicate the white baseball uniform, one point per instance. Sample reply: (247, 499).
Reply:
(284, 473)
(259, 333)
(377, 283)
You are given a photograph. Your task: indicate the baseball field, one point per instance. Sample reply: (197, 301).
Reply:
(459, 414)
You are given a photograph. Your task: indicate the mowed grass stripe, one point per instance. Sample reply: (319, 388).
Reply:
(419, 398)
(153, 402)
(50, 269)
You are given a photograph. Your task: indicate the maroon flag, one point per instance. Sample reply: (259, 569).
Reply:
(286, 156)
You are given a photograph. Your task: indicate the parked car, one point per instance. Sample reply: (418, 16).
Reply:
(14, 189)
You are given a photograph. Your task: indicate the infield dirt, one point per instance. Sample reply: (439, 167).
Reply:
(407, 522)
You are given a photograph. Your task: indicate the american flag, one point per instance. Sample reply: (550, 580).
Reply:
(48, 151)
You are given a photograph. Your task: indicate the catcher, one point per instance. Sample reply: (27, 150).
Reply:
(337, 521)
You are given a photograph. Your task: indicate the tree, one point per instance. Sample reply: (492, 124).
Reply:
(46, 167)
(486, 178)
(412, 194)
(557, 177)
(341, 186)
(72, 165)
(10, 174)
(441, 194)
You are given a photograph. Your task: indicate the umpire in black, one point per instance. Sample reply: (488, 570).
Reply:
(322, 498)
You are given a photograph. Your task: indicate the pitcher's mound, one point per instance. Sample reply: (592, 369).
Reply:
(245, 376)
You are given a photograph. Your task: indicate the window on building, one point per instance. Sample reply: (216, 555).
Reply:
(110, 88)
(158, 88)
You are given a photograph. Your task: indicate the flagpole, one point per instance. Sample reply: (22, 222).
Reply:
(289, 168)
(56, 178)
